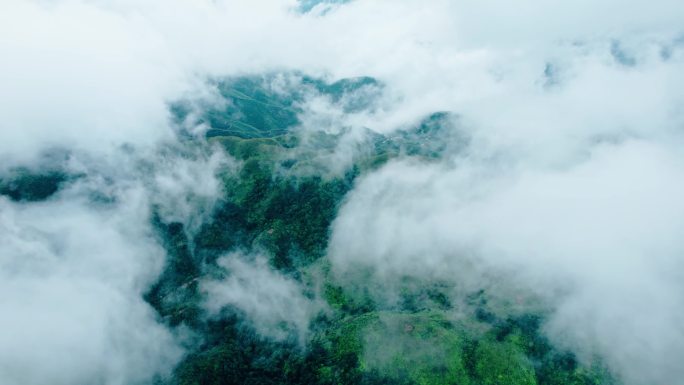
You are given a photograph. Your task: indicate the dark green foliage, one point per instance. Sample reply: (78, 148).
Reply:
(278, 205)
(25, 185)
(175, 295)
(502, 363)
(420, 296)
(299, 215)
(226, 231)
(288, 216)
(551, 366)
(253, 111)
(339, 299)
(250, 109)
(430, 139)
(268, 106)
(234, 354)
(563, 369)
(353, 94)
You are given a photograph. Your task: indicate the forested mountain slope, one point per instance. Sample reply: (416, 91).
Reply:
(280, 203)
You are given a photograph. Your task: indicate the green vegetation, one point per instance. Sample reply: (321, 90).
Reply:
(502, 363)
(22, 184)
(268, 106)
(423, 348)
(284, 214)
(272, 206)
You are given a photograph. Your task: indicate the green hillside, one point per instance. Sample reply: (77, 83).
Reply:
(271, 206)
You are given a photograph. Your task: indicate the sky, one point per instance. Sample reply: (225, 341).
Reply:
(568, 191)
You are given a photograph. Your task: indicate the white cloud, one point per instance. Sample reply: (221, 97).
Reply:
(274, 303)
(572, 171)
(72, 280)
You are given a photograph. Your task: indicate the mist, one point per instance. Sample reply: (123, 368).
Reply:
(277, 305)
(560, 188)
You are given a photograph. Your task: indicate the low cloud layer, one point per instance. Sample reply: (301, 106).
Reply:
(569, 189)
(568, 194)
(274, 303)
(73, 276)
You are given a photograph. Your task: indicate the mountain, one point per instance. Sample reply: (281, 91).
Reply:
(282, 203)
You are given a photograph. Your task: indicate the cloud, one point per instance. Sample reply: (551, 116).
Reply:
(186, 188)
(571, 178)
(569, 196)
(73, 278)
(78, 76)
(76, 264)
(597, 242)
(274, 303)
